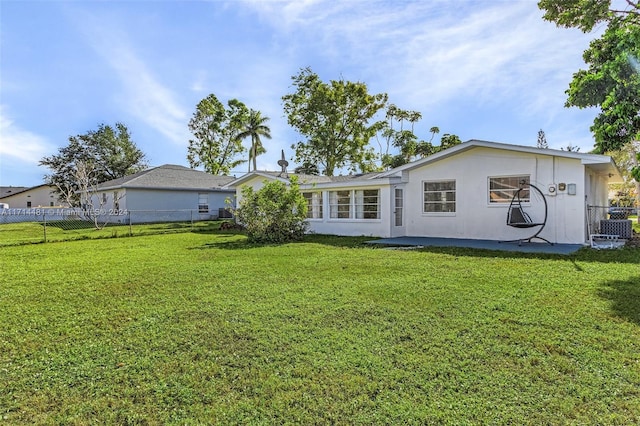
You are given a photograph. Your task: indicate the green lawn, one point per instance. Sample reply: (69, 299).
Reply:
(67, 230)
(203, 328)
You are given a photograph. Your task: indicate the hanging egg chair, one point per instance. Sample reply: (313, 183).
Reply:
(517, 217)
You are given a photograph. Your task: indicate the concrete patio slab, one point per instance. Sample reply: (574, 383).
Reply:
(478, 244)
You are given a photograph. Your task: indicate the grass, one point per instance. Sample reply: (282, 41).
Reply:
(196, 328)
(68, 230)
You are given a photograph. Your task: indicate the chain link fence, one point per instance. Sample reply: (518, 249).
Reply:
(35, 225)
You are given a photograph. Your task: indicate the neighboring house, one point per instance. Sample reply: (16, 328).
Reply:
(22, 197)
(168, 188)
(461, 192)
(10, 190)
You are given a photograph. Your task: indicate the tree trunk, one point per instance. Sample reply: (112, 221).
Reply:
(255, 154)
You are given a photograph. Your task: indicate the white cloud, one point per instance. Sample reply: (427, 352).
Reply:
(143, 95)
(199, 82)
(430, 52)
(19, 144)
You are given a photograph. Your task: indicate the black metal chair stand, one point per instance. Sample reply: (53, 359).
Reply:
(518, 218)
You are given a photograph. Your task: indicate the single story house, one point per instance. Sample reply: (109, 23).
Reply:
(461, 192)
(165, 193)
(9, 190)
(30, 197)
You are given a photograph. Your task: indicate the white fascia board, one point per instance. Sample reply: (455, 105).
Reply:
(352, 184)
(597, 159)
(246, 177)
(168, 188)
(585, 158)
(109, 188)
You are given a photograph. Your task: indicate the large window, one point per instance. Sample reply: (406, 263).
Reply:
(503, 188)
(440, 196)
(354, 204)
(340, 204)
(366, 203)
(314, 204)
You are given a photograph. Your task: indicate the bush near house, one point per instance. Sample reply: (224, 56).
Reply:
(275, 213)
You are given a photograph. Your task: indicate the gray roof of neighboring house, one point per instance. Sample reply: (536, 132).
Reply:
(9, 191)
(6, 191)
(169, 176)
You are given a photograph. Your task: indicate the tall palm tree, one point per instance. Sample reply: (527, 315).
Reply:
(255, 127)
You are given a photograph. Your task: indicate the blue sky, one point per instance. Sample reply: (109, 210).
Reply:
(491, 70)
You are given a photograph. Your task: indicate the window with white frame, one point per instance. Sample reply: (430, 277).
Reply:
(503, 188)
(354, 204)
(366, 202)
(340, 204)
(203, 202)
(314, 204)
(439, 196)
(399, 206)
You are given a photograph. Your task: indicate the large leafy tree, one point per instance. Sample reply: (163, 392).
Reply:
(108, 152)
(216, 145)
(628, 161)
(397, 130)
(612, 80)
(586, 14)
(336, 119)
(255, 127)
(447, 141)
(394, 133)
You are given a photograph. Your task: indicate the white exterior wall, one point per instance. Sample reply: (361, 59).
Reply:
(41, 196)
(108, 203)
(348, 227)
(567, 213)
(353, 227)
(476, 218)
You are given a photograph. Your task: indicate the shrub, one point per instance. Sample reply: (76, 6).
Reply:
(276, 213)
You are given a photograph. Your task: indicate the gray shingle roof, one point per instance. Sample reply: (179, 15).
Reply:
(6, 191)
(169, 176)
(302, 178)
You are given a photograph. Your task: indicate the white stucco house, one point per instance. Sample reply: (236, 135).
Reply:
(30, 197)
(169, 188)
(461, 192)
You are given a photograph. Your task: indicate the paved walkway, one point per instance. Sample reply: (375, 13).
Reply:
(478, 244)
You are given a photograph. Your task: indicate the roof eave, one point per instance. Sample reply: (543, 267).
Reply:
(169, 188)
(352, 183)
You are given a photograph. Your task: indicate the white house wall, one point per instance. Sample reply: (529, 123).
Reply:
(475, 217)
(347, 227)
(41, 196)
(566, 212)
(354, 227)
